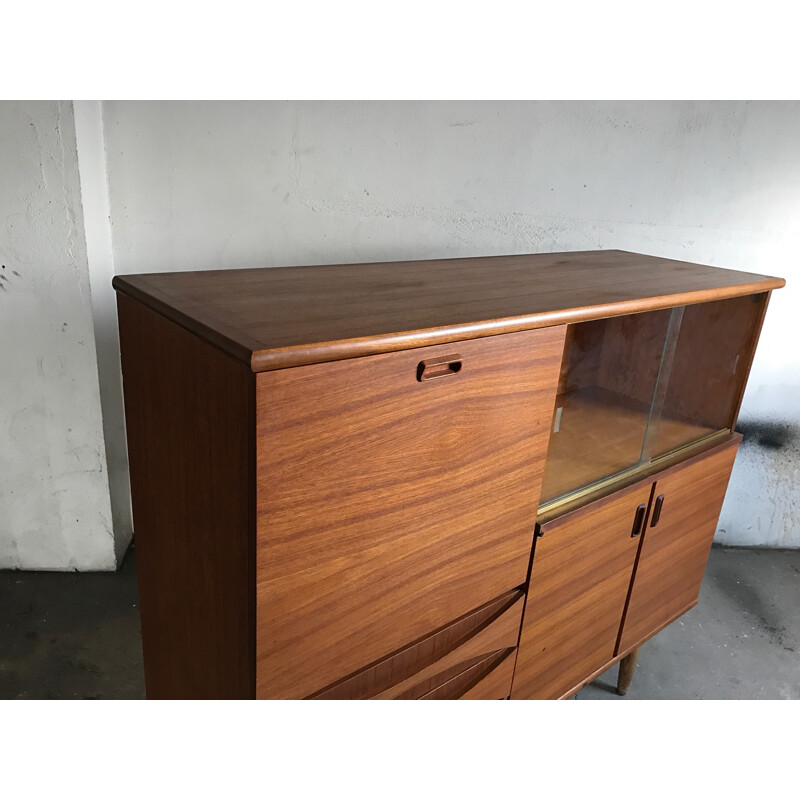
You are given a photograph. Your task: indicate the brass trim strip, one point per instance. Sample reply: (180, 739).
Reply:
(594, 491)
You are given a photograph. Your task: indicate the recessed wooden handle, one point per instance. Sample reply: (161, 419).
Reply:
(638, 520)
(439, 367)
(657, 510)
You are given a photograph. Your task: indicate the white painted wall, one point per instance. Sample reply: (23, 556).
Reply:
(209, 185)
(224, 185)
(54, 500)
(99, 254)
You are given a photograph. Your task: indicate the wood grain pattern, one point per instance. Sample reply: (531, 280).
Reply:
(388, 507)
(749, 355)
(190, 418)
(494, 686)
(627, 667)
(631, 354)
(622, 653)
(579, 582)
(501, 635)
(712, 358)
(274, 318)
(462, 684)
(476, 635)
(673, 554)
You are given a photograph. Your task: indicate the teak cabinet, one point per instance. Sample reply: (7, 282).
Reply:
(472, 478)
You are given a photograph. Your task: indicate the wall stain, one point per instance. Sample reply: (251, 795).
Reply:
(4, 278)
(769, 435)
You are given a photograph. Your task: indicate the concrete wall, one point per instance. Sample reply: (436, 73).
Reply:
(54, 500)
(202, 185)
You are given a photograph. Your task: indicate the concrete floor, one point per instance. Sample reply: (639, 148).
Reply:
(69, 635)
(740, 642)
(66, 635)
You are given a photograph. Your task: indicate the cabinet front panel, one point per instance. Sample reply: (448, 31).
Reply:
(675, 550)
(581, 574)
(395, 494)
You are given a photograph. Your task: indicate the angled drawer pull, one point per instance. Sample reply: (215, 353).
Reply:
(439, 367)
(426, 664)
(460, 684)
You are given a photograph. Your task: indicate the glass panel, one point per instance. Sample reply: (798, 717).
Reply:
(704, 381)
(637, 387)
(608, 381)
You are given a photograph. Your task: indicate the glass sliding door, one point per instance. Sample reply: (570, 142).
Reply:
(605, 396)
(638, 387)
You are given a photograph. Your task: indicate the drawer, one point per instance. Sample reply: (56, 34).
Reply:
(489, 679)
(451, 660)
(495, 684)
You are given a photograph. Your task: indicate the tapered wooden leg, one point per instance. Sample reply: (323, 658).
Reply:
(626, 669)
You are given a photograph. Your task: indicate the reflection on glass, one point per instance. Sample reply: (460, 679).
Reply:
(708, 370)
(608, 377)
(635, 387)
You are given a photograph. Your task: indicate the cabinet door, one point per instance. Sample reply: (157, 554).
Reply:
(581, 573)
(676, 542)
(395, 493)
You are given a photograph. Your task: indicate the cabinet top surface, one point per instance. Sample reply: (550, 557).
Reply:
(287, 316)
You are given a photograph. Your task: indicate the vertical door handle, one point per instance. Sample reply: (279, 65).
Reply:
(657, 511)
(638, 520)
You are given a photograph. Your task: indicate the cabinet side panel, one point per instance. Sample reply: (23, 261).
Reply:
(189, 412)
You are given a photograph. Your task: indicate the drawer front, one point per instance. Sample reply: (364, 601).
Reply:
(416, 670)
(395, 493)
(491, 641)
(437, 657)
(470, 684)
(496, 685)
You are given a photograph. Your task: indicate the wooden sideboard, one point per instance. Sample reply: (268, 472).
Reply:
(470, 478)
